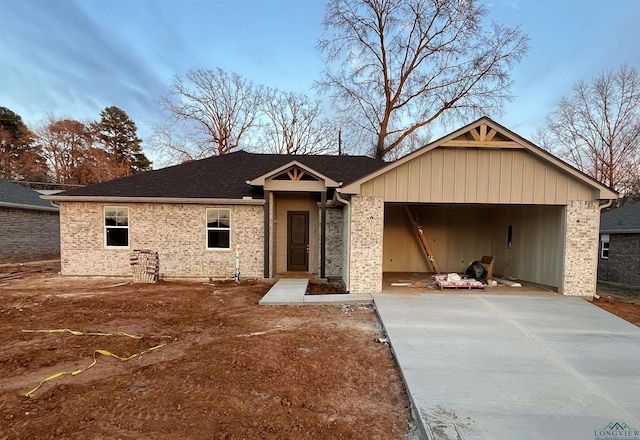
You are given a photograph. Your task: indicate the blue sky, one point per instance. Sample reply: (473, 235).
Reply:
(72, 58)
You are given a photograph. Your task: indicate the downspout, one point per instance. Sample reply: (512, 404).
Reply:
(606, 205)
(347, 280)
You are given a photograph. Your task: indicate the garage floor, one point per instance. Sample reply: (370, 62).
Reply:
(421, 282)
(503, 367)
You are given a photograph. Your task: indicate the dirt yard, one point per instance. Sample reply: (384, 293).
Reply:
(621, 300)
(626, 310)
(230, 369)
(225, 368)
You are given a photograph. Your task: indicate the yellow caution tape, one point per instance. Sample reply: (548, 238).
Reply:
(95, 353)
(77, 333)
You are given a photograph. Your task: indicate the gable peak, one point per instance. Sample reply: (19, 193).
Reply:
(482, 135)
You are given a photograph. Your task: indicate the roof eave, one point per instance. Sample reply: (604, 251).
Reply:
(164, 200)
(620, 231)
(608, 194)
(26, 207)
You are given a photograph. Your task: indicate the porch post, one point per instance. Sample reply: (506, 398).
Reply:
(267, 235)
(323, 231)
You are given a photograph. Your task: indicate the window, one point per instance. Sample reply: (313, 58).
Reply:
(604, 246)
(116, 226)
(218, 229)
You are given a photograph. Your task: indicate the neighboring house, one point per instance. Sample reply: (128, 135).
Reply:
(481, 190)
(619, 251)
(30, 226)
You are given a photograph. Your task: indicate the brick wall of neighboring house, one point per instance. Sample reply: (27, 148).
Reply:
(176, 231)
(581, 248)
(334, 244)
(367, 223)
(623, 264)
(28, 235)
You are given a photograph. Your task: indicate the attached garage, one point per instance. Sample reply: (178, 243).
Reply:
(484, 190)
(526, 241)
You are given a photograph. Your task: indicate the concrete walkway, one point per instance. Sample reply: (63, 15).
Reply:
(291, 291)
(505, 367)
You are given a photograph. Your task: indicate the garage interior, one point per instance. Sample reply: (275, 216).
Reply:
(527, 241)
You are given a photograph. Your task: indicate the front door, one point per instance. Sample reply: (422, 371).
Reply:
(298, 241)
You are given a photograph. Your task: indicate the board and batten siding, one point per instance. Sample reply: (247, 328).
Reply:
(477, 175)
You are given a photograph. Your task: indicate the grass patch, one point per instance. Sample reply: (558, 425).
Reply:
(619, 291)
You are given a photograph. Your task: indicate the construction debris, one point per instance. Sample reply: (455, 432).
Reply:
(95, 353)
(79, 333)
(509, 283)
(454, 281)
(18, 273)
(145, 266)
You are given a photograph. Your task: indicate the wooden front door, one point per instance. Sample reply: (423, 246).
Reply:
(298, 241)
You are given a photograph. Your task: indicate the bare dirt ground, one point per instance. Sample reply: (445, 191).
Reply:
(324, 288)
(623, 308)
(231, 369)
(621, 300)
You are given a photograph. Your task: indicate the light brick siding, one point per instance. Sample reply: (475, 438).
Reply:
(177, 232)
(581, 248)
(367, 223)
(28, 235)
(334, 243)
(623, 264)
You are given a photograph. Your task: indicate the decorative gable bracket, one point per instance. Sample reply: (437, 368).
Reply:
(482, 136)
(294, 176)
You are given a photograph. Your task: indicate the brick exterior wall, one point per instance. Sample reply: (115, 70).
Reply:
(334, 242)
(581, 248)
(367, 224)
(28, 235)
(346, 254)
(623, 264)
(176, 231)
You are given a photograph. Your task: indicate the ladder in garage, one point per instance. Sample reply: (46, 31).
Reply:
(419, 233)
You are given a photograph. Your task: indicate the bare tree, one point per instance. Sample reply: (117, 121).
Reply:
(64, 142)
(97, 165)
(403, 64)
(171, 147)
(295, 125)
(597, 128)
(213, 109)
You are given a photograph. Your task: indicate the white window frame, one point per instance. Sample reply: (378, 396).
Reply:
(218, 228)
(107, 227)
(604, 240)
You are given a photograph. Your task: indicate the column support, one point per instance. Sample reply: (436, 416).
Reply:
(267, 234)
(323, 231)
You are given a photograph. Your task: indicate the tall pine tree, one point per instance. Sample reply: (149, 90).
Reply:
(117, 134)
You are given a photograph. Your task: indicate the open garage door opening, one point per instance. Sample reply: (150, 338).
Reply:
(526, 240)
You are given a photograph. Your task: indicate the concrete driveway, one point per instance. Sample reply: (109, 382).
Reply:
(505, 367)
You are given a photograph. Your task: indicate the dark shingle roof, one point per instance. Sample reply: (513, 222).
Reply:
(621, 220)
(12, 193)
(224, 176)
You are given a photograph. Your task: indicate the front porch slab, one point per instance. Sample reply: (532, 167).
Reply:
(291, 291)
(286, 291)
